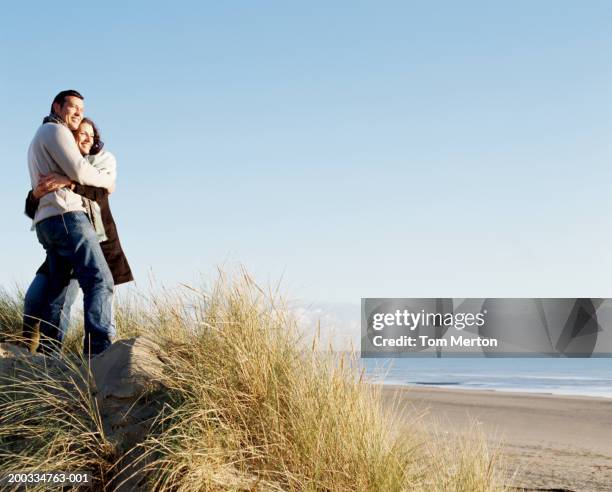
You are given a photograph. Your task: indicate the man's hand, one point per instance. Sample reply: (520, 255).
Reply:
(50, 183)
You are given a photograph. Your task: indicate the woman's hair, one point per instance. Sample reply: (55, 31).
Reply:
(97, 143)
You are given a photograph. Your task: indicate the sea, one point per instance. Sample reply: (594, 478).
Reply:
(557, 376)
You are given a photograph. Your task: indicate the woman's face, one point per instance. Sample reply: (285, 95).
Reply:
(84, 138)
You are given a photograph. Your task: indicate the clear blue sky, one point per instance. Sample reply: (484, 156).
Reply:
(359, 148)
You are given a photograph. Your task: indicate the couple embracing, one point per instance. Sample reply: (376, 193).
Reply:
(71, 178)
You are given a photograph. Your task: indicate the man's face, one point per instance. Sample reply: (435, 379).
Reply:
(71, 111)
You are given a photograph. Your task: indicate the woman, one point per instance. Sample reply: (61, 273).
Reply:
(95, 200)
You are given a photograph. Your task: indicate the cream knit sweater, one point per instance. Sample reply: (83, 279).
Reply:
(54, 150)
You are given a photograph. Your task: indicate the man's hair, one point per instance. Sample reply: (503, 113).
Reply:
(61, 97)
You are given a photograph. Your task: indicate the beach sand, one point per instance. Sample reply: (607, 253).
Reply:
(548, 442)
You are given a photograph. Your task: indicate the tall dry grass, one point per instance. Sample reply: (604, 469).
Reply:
(250, 405)
(11, 309)
(50, 421)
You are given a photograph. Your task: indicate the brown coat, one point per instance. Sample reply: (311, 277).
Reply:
(113, 252)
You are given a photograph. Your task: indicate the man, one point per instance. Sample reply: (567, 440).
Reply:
(64, 230)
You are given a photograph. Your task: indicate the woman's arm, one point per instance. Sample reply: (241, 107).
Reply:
(31, 205)
(91, 192)
(51, 183)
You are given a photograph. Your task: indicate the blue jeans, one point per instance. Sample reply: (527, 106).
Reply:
(72, 246)
(37, 296)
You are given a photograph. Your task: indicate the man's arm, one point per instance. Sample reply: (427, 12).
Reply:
(64, 151)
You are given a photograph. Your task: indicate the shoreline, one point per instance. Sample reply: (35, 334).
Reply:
(548, 441)
(522, 391)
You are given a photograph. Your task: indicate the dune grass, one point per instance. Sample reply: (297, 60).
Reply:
(11, 309)
(250, 405)
(49, 421)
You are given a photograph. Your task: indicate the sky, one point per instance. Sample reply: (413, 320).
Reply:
(346, 149)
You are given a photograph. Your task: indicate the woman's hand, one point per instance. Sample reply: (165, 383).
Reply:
(50, 183)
